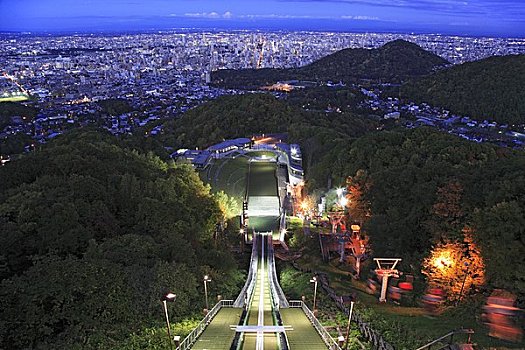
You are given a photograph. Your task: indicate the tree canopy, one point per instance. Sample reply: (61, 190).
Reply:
(251, 114)
(92, 234)
(488, 89)
(423, 188)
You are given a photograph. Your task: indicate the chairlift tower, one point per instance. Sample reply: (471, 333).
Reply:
(336, 219)
(386, 267)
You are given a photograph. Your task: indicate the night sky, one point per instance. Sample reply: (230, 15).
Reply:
(471, 17)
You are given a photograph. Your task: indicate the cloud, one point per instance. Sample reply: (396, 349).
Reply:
(279, 16)
(361, 18)
(212, 14)
(230, 15)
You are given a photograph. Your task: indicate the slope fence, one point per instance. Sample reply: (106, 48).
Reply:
(367, 331)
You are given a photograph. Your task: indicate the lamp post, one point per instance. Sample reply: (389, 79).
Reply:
(314, 281)
(463, 284)
(165, 298)
(348, 326)
(206, 280)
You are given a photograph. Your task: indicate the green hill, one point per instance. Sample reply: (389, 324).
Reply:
(402, 173)
(249, 114)
(396, 61)
(492, 88)
(393, 62)
(91, 235)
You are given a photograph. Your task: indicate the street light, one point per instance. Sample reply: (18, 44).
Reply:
(206, 280)
(165, 298)
(348, 326)
(467, 265)
(314, 281)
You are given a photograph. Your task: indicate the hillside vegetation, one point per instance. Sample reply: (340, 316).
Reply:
(396, 61)
(92, 235)
(492, 88)
(251, 114)
(403, 175)
(421, 188)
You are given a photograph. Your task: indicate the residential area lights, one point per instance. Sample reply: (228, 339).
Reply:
(165, 298)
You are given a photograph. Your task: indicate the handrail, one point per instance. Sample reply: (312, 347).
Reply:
(239, 337)
(451, 335)
(280, 298)
(251, 279)
(248, 290)
(192, 337)
(327, 338)
(276, 294)
(277, 319)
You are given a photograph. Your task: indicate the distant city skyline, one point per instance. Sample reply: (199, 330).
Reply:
(478, 18)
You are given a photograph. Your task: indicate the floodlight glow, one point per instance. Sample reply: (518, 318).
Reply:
(170, 296)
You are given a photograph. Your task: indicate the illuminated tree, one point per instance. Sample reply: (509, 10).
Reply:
(308, 204)
(456, 267)
(228, 205)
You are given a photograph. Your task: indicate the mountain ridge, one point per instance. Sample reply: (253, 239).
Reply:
(490, 88)
(395, 62)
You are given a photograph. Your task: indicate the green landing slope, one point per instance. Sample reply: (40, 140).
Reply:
(303, 336)
(218, 335)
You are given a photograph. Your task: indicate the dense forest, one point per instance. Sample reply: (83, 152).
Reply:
(490, 89)
(421, 188)
(251, 114)
(92, 235)
(394, 62)
(404, 175)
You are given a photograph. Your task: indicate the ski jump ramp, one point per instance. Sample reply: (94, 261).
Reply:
(264, 206)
